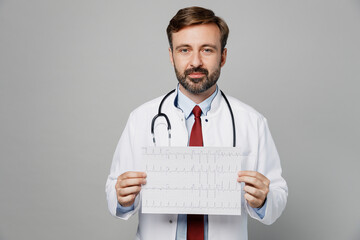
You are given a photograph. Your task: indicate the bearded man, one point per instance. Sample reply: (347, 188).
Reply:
(200, 115)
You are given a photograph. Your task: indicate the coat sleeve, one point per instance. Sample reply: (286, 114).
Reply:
(268, 164)
(123, 161)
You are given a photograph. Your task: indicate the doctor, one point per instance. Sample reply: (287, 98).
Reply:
(197, 111)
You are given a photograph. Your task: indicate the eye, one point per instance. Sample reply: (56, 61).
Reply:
(208, 50)
(184, 50)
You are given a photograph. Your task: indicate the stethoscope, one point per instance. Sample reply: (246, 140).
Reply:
(160, 114)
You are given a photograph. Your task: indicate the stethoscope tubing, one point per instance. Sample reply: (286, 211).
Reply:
(160, 114)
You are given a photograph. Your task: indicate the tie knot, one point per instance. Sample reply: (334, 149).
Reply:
(197, 111)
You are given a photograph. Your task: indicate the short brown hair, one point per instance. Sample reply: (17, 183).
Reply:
(194, 16)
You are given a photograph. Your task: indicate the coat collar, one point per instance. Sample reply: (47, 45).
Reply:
(215, 105)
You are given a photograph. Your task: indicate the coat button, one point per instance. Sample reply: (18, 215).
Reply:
(170, 221)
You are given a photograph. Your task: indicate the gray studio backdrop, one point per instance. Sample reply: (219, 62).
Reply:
(71, 71)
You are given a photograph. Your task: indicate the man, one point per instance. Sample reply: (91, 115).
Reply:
(197, 110)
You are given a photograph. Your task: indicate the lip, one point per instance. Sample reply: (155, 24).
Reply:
(196, 75)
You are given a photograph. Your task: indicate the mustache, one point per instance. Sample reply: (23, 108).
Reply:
(197, 69)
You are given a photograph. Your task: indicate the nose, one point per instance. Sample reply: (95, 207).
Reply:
(196, 60)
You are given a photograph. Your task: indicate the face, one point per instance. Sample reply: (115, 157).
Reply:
(197, 57)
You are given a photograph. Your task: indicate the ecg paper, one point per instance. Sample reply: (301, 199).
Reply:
(192, 180)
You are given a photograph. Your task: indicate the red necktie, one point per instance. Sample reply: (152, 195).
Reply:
(196, 133)
(195, 223)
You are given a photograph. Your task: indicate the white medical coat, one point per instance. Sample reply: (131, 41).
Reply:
(252, 138)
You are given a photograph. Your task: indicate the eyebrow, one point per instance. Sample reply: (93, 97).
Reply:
(209, 45)
(205, 45)
(182, 45)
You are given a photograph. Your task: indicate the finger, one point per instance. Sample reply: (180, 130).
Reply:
(257, 193)
(252, 181)
(131, 182)
(128, 191)
(253, 174)
(127, 201)
(253, 201)
(132, 175)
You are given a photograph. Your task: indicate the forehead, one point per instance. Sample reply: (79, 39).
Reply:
(194, 35)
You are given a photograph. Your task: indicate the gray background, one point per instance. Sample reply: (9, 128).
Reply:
(71, 72)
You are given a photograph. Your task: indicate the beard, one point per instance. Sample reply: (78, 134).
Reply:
(197, 85)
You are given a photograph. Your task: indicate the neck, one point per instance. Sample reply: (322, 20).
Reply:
(198, 97)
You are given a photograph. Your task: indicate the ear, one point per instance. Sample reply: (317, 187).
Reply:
(171, 56)
(223, 57)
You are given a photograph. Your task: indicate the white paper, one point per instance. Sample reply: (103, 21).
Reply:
(192, 180)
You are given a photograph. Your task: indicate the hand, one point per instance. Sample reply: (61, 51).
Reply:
(128, 186)
(256, 187)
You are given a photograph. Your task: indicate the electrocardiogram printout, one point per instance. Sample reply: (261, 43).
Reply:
(192, 180)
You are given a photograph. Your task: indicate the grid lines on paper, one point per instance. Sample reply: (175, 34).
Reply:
(196, 180)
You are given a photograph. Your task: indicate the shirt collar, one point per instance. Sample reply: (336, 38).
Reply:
(186, 104)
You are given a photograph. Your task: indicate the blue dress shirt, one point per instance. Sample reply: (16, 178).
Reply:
(186, 105)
